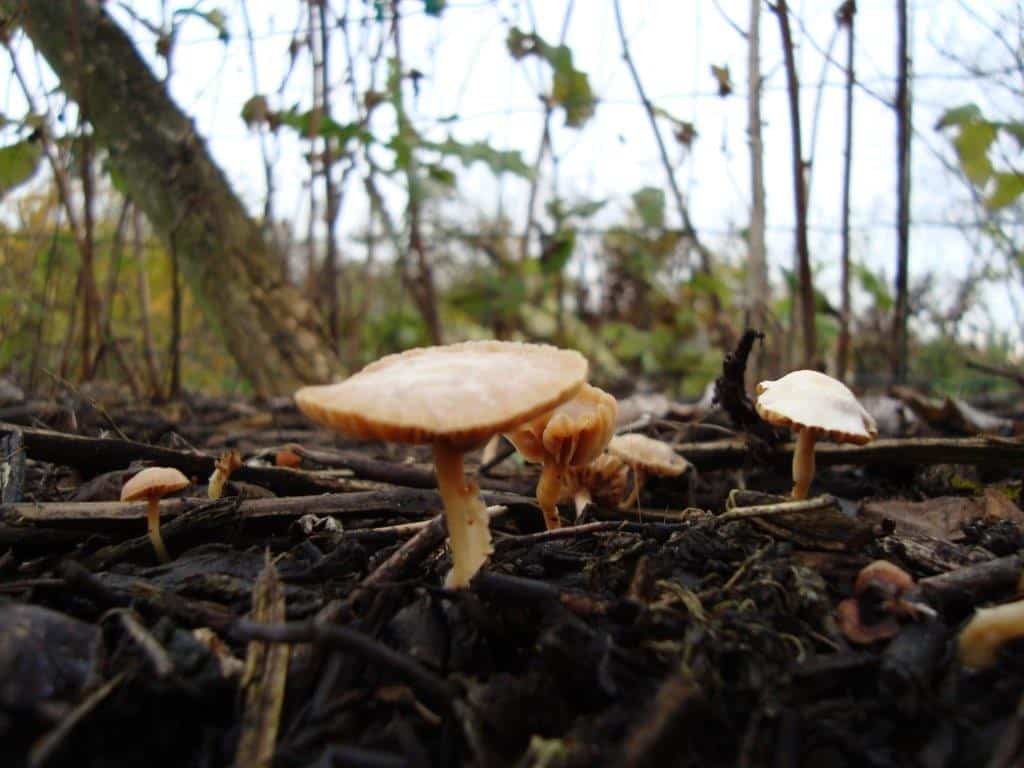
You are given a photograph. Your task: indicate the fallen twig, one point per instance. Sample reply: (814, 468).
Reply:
(782, 508)
(335, 636)
(732, 454)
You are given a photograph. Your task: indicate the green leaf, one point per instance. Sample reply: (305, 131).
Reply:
(18, 163)
(570, 87)
(967, 113)
(1016, 130)
(1009, 187)
(649, 203)
(972, 145)
(311, 123)
(874, 286)
(434, 7)
(710, 284)
(557, 251)
(499, 161)
(440, 175)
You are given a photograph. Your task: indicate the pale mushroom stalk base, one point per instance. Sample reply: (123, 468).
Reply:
(803, 462)
(639, 476)
(153, 525)
(549, 488)
(581, 499)
(466, 515)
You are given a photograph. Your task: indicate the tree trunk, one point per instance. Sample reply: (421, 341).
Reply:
(846, 13)
(804, 277)
(274, 335)
(757, 267)
(899, 336)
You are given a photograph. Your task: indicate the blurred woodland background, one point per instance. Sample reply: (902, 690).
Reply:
(245, 195)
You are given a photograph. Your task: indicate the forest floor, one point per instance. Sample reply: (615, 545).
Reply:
(302, 619)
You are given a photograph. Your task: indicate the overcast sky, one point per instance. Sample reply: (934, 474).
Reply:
(469, 74)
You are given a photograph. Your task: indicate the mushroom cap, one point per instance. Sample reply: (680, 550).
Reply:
(605, 479)
(885, 576)
(811, 400)
(153, 483)
(574, 433)
(459, 394)
(652, 456)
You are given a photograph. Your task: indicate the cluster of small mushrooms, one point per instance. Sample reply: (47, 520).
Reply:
(457, 397)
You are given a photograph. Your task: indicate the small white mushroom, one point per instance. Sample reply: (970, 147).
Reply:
(814, 406)
(153, 484)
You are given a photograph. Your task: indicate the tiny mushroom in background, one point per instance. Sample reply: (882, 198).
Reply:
(888, 592)
(602, 481)
(228, 462)
(989, 628)
(152, 484)
(453, 397)
(814, 406)
(646, 456)
(573, 434)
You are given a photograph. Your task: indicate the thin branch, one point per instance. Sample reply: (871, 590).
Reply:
(684, 214)
(803, 256)
(846, 16)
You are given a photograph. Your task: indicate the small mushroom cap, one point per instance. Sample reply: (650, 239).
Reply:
(460, 394)
(652, 456)
(154, 483)
(885, 576)
(812, 400)
(574, 433)
(605, 479)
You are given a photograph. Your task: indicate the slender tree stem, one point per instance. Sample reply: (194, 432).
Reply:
(846, 16)
(757, 269)
(684, 215)
(803, 256)
(903, 135)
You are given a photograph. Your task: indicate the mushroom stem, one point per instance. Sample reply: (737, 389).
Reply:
(466, 515)
(153, 525)
(581, 499)
(639, 476)
(549, 488)
(803, 462)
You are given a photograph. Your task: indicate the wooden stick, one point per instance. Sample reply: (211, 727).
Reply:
(733, 454)
(783, 508)
(104, 454)
(397, 501)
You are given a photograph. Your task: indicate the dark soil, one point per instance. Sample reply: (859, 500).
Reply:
(664, 639)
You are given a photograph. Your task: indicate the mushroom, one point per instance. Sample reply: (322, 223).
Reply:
(646, 456)
(152, 484)
(883, 594)
(573, 434)
(454, 398)
(814, 406)
(987, 631)
(228, 462)
(602, 481)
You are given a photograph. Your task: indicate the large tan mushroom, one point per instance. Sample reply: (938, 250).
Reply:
(573, 434)
(646, 456)
(153, 484)
(453, 397)
(814, 406)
